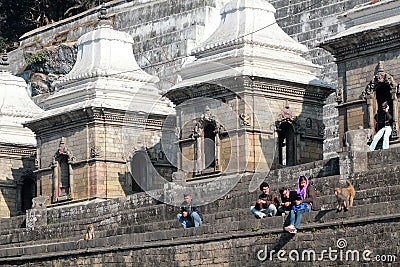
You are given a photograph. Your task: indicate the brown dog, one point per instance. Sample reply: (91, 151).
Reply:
(89, 232)
(345, 196)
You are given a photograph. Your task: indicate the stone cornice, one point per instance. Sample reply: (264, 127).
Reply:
(363, 42)
(246, 84)
(307, 92)
(20, 151)
(180, 95)
(8, 184)
(240, 42)
(94, 115)
(131, 75)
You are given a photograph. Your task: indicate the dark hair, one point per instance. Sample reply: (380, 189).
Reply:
(302, 178)
(263, 184)
(183, 209)
(282, 189)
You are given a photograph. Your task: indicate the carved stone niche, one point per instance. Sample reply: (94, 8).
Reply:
(62, 172)
(382, 88)
(206, 134)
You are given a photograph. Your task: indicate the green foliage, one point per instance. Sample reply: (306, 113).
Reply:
(3, 43)
(37, 58)
(20, 16)
(256, 228)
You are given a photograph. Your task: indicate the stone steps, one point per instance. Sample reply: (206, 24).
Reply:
(145, 216)
(76, 230)
(241, 199)
(128, 237)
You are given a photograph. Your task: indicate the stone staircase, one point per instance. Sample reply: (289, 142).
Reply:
(137, 224)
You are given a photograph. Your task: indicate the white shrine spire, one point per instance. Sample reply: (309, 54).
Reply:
(16, 107)
(248, 41)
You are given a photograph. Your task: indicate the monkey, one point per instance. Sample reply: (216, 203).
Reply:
(89, 232)
(345, 196)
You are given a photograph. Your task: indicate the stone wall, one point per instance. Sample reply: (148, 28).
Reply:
(17, 164)
(98, 143)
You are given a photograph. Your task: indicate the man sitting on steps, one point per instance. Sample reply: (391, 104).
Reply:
(288, 198)
(266, 203)
(190, 213)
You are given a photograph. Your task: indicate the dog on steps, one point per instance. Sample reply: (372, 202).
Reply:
(345, 196)
(89, 232)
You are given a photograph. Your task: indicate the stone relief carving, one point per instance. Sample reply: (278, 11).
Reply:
(95, 151)
(380, 76)
(135, 149)
(39, 202)
(287, 116)
(245, 119)
(63, 149)
(178, 132)
(339, 95)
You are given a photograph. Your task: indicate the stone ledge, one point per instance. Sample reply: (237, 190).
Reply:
(69, 248)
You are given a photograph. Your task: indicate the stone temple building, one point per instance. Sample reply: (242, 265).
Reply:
(247, 105)
(99, 108)
(17, 144)
(245, 89)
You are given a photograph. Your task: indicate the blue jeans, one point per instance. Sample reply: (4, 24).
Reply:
(386, 132)
(295, 216)
(261, 213)
(193, 219)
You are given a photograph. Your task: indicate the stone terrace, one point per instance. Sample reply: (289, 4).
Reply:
(137, 230)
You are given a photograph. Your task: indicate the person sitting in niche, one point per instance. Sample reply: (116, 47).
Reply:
(383, 125)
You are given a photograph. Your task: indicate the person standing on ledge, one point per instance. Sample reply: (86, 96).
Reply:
(383, 125)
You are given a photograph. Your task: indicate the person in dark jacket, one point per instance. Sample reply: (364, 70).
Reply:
(288, 199)
(189, 215)
(383, 124)
(307, 201)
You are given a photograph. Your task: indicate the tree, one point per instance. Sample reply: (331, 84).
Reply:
(20, 16)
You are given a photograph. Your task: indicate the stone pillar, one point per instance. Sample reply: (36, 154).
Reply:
(353, 157)
(37, 216)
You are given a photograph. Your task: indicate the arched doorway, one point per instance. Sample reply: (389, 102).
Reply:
(141, 178)
(28, 193)
(209, 146)
(286, 144)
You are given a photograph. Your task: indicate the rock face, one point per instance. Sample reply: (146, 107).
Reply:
(58, 61)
